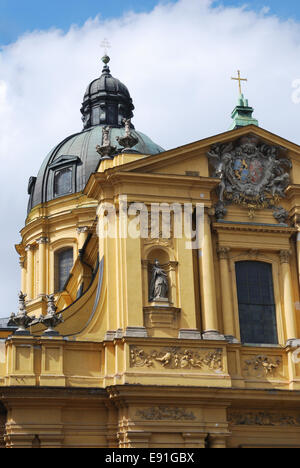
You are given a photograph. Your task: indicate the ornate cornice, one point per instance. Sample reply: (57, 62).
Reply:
(253, 227)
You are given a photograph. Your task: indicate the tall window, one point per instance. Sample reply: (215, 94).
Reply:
(257, 310)
(63, 266)
(63, 181)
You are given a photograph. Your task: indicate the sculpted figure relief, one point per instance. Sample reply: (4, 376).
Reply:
(159, 286)
(252, 173)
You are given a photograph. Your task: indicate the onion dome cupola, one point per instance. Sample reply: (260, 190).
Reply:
(106, 111)
(107, 101)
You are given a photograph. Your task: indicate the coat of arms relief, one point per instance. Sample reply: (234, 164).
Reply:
(252, 174)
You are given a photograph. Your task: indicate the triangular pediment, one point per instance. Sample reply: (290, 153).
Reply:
(191, 159)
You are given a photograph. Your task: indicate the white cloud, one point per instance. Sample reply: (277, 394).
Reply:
(176, 61)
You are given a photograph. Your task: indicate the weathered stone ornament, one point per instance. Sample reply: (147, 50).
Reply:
(21, 320)
(106, 150)
(159, 285)
(252, 174)
(52, 319)
(177, 358)
(128, 141)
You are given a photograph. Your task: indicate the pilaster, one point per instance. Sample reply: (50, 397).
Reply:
(208, 288)
(227, 305)
(288, 298)
(30, 271)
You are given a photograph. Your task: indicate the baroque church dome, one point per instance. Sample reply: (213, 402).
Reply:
(66, 169)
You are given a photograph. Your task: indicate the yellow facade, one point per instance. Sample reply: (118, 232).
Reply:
(125, 372)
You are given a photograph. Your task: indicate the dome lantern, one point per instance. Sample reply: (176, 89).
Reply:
(107, 101)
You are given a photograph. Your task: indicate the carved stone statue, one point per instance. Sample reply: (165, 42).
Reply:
(128, 141)
(159, 285)
(106, 150)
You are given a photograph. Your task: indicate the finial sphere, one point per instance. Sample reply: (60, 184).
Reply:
(105, 59)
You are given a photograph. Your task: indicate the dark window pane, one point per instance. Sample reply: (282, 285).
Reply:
(257, 311)
(63, 182)
(64, 263)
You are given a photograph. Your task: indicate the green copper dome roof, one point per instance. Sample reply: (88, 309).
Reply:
(107, 106)
(79, 153)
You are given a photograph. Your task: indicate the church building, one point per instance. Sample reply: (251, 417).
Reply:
(159, 302)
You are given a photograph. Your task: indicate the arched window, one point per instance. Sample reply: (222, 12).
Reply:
(63, 181)
(63, 265)
(257, 312)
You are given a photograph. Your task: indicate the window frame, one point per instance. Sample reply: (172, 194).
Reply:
(56, 279)
(63, 162)
(59, 171)
(274, 261)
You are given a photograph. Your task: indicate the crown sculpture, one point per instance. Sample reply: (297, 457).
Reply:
(52, 319)
(21, 320)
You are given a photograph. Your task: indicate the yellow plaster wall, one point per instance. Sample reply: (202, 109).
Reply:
(103, 344)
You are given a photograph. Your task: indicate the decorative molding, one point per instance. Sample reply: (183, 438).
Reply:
(165, 413)
(262, 366)
(263, 418)
(178, 358)
(223, 253)
(159, 241)
(253, 254)
(253, 227)
(284, 256)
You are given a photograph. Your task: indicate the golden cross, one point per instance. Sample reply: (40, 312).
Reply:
(239, 79)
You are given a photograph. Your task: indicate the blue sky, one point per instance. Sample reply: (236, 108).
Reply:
(283, 8)
(18, 17)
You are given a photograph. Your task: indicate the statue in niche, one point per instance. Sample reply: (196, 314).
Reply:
(159, 286)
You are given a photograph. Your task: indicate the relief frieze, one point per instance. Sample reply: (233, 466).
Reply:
(262, 366)
(263, 418)
(177, 358)
(160, 413)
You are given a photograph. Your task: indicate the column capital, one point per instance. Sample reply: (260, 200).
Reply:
(29, 247)
(284, 256)
(42, 240)
(223, 252)
(82, 229)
